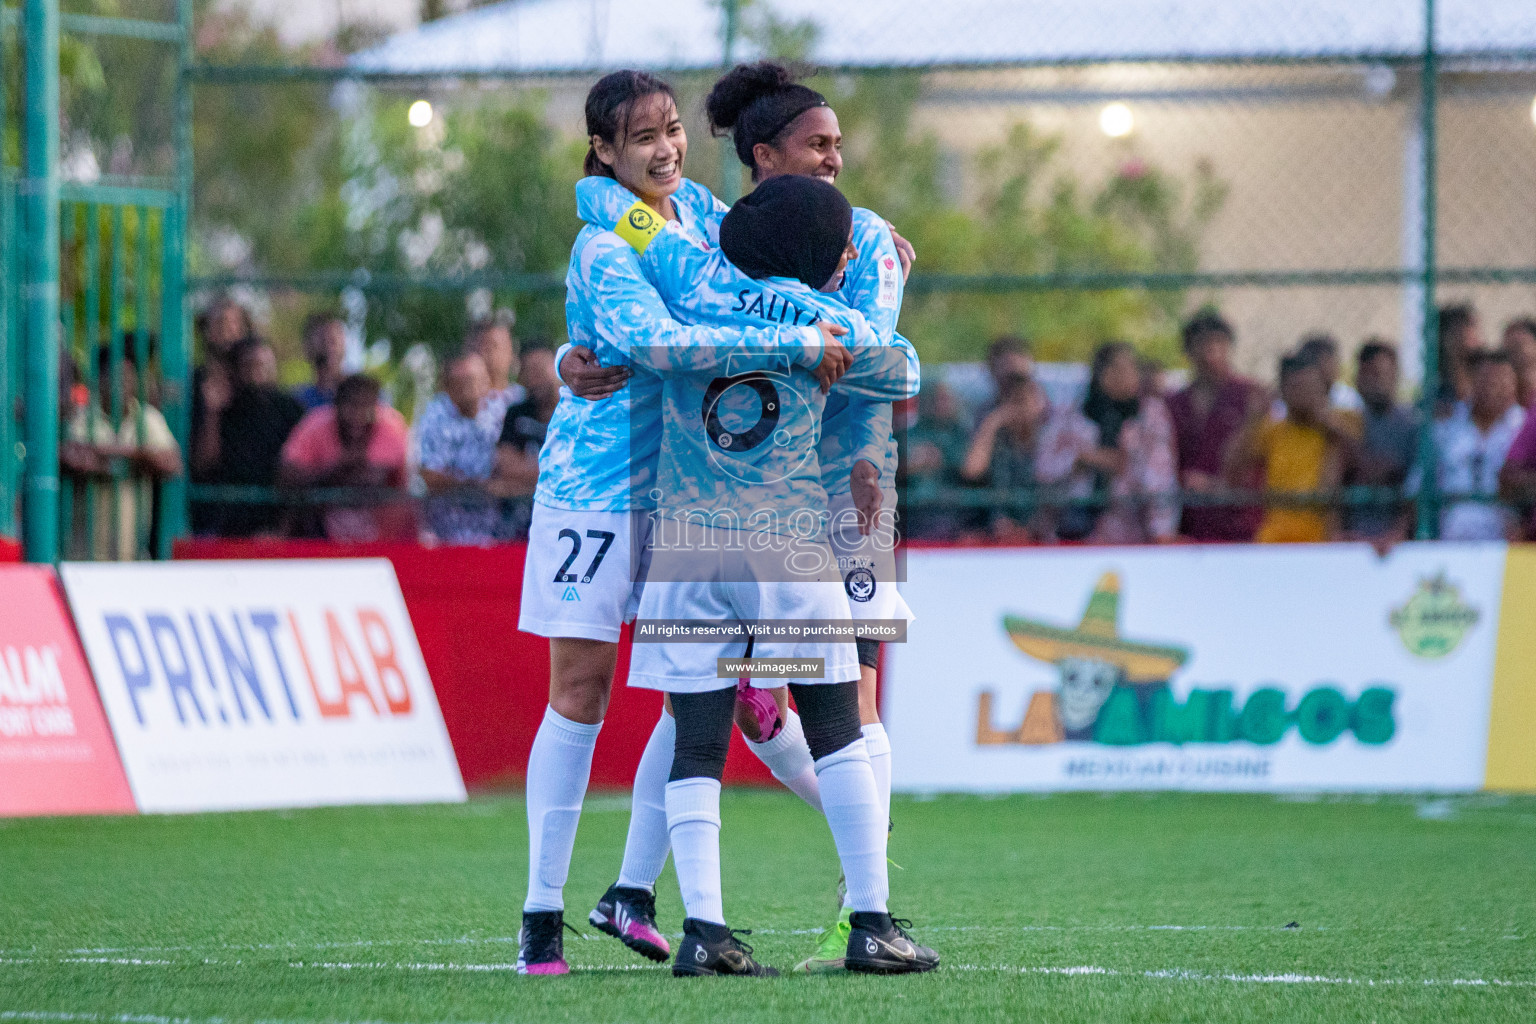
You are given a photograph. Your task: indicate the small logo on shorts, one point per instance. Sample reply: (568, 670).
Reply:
(860, 584)
(570, 595)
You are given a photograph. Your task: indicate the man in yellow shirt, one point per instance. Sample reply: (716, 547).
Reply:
(1304, 453)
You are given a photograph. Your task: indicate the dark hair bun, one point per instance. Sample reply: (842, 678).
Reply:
(740, 87)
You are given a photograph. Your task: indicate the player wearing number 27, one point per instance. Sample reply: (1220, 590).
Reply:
(780, 127)
(591, 520)
(599, 458)
(741, 536)
(759, 477)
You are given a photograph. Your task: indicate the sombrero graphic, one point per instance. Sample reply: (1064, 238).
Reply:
(1097, 638)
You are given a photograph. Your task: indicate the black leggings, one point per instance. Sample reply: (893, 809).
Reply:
(829, 711)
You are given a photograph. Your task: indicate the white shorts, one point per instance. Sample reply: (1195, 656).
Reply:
(733, 594)
(584, 572)
(867, 563)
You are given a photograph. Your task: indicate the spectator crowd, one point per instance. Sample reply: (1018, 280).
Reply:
(329, 458)
(1129, 461)
(332, 458)
(1226, 459)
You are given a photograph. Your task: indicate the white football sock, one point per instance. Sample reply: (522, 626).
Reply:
(852, 808)
(879, 746)
(693, 820)
(558, 769)
(645, 851)
(788, 757)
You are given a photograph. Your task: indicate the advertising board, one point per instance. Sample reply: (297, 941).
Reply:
(56, 752)
(1219, 668)
(235, 685)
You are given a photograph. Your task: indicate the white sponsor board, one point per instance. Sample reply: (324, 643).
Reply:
(1221, 668)
(237, 685)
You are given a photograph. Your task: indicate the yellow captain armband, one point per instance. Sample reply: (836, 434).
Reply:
(638, 226)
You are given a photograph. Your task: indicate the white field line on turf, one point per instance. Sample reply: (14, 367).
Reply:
(1266, 979)
(403, 967)
(53, 1017)
(111, 1018)
(324, 965)
(466, 940)
(254, 947)
(121, 961)
(470, 968)
(1167, 974)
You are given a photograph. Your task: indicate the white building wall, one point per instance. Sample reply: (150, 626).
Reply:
(310, 21)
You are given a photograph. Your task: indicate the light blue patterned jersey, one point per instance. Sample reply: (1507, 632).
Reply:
(853, 429)
(740, 448)
(700, 286)
(601, 455)
(875, 287)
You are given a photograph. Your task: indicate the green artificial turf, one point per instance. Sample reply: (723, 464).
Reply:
(1067, 908)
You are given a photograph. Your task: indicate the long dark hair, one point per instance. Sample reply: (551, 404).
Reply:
(610, 102)
(204, 320)
(1111, 414)
(755, 103)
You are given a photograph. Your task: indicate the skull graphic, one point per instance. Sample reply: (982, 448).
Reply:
(1085, 686)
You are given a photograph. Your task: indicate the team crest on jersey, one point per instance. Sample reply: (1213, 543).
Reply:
(570, 595)
(750, 437)
(860, 585)
(890, 277)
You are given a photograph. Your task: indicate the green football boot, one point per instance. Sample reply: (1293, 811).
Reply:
(833, 948)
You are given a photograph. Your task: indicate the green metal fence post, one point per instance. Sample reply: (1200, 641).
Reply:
(730, 171)
(117, 402)
(10, 376)
(90, 365)
(175, 339)
(140, 356)
(69, 321)
(41, 189)
(1428, 526)
(8, 439)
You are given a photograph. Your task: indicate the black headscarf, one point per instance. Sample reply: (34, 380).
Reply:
(789, 226)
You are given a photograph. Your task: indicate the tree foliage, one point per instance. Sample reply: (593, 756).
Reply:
(296, 178)
(300, 177)
(486, 190)
(1029, 215)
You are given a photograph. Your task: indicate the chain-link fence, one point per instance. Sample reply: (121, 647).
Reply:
(1071, 173)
